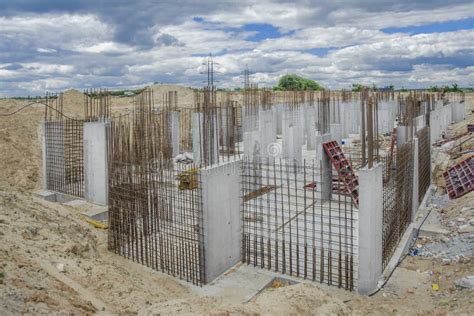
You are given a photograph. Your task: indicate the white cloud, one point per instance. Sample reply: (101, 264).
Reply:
(46, 50)
(87, 49)
(103, 47)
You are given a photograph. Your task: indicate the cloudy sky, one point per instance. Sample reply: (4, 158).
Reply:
(52, 45)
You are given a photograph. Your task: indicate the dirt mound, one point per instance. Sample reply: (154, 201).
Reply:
(73, 103)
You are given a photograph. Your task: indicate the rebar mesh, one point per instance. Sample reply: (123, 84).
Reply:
(155, 205)
(64, 158)
(397, 199)
(290, 227)
(424, 161)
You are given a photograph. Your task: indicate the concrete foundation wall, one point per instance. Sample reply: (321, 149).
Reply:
(95, 162)
(439, 121)
(350, 118)
(415, 186)
(221, 189)
(458, 111)
(370, 228)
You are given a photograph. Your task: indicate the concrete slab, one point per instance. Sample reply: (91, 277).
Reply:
(97, 213)
(242, 282)
(46, 195)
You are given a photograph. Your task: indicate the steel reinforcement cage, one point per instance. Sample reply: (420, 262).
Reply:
(424, 161)
(397, 198)
(155, 205)
(291, 226)
(64, 156)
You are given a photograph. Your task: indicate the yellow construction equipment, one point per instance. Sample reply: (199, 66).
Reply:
(188, 180)
(96, 224)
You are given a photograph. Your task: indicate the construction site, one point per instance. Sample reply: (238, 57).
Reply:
(180, 200)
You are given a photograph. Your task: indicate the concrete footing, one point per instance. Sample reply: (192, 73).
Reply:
(54, 196)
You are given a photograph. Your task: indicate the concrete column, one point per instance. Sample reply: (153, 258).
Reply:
(175, 137)
(419, 122)
(326, 177)
(402, 135)
(96, 186)
(336, 132)
(326, 166)
(370, 228)
(311, 142)
(197, 122)
(278, 109)
(252, 144)
(267, 131)
(221, 190)
(434, 127)
(415, 196)
(292, 147)
(320, 140)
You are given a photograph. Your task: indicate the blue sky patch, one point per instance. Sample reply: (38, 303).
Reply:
(448, 26)
(263, 31)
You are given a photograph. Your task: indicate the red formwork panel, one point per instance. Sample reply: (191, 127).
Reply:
(344, 170)
(460, 178)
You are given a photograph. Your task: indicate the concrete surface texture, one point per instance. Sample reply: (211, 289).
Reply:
(95, 162)
(221, 189)
(370, 228)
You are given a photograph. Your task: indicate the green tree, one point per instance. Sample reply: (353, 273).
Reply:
(296, 83)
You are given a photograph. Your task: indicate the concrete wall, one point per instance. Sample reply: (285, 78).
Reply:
(350, 118)
(458, 111)
(370, 228)
(221, 190)
(439, 121)
(95, 162)
(419, 122)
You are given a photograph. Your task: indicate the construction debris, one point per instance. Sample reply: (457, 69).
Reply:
(460, 178)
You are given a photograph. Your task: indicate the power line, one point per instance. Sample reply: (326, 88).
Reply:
(39, 102)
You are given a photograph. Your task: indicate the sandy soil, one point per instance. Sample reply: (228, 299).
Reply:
(52, 261)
